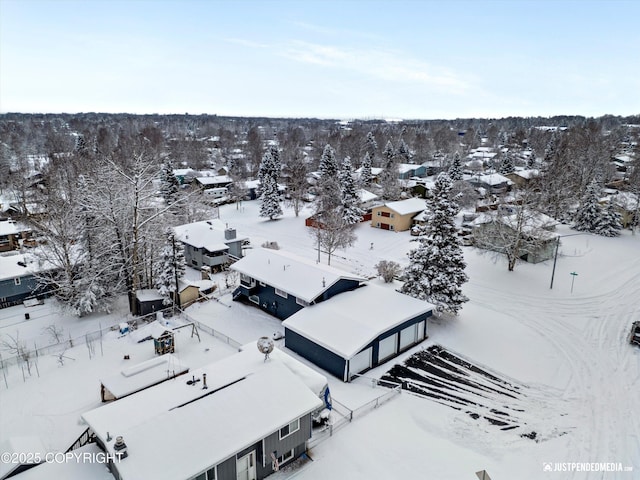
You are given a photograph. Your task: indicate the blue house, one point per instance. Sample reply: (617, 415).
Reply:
(17, 280)
(282, 284)
(358, 330)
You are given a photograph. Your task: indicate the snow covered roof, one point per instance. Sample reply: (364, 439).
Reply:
(375, 171)
(81, 466)
(148, 295)
(9, 227)
(302, 278)
(247, 399)
(538, 224)
(366, 196)
(407, 167)
(144, 374)
(31, 445)
(408, 206)
(207, 234)
(527, 173)
(350, 321)
(214, 180)
(10, 268)
(491, 179)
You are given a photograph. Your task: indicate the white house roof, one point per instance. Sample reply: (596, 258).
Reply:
(208, 234)
(350, 321)
(405, 207)
(366, 196)
(214, 180)
(407, 167)
(27, 444)
(9, 267)
(375, 171)
(144, 374)
(9, 227)
(70, 469)
(302, 278)
(492, 179)
(195, 428)
(538, 224)
(527, 173)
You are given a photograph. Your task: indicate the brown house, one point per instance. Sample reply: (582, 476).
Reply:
(397, 216)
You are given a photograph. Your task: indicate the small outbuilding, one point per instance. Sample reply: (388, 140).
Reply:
(357, 330)
(149, 301)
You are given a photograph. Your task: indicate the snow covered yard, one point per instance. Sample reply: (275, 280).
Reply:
(570, 346)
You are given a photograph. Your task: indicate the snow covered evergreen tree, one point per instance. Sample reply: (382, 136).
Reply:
(371, 146)
(328, 186)
(389, 181)
(172, 268)
(609, 224)
(351, 211)
(531, 160)
(436, 267)
(455, 170)
(268, 174)
(403, 151)
(507, 165)
(169, 184)
(365, 171)
(588, 216)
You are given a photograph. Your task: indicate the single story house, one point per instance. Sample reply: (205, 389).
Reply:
(523, 177)
(138, 377)
(408, 170)
(281, 283)
(210, 243)
(397, 216)
(493, 231)
(229, 420)
(18, 281)
(493, 183)
(357, 330)
(214, 181)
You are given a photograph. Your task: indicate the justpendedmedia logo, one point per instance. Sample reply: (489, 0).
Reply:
(585, 467)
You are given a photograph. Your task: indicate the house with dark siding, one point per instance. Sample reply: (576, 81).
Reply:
(358, 330)
(210, 243)
(282, 283)
(17, 280)
(241, 417)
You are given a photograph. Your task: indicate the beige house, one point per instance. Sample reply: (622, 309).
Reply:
(397, 216)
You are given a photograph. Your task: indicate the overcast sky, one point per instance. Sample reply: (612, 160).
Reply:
(329, 59)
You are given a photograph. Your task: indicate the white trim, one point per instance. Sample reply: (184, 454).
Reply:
(280, 293)
(285, 457)
(292, 430)
(302, 302)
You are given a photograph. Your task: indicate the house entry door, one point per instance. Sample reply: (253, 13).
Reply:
(246, 467)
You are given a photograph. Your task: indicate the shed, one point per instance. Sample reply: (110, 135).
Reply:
(149, 301)
(141, 376)
(357, 330)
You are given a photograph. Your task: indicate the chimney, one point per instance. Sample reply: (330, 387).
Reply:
(229, 233)
(120, 448)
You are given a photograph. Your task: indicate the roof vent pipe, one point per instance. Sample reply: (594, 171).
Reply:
(204, 381)
(120, 448)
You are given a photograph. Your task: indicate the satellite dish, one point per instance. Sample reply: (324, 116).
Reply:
(265, 345)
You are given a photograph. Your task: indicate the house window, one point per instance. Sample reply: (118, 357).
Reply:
(262, 284)
(281, 293)
(379, 213)
(393, 215)
(285, 457)
(246, 280)
(391, 227)
(302, 302)
(289, 429)
(17, 281)
(254, 299)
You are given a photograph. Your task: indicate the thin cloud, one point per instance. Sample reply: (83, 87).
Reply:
(381, 64)
(246, 43)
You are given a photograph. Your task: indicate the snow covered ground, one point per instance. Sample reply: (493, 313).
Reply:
(570, 349)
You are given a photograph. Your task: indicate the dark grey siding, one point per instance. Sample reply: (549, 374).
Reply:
(271, 303)
(325, 359)
(297, 439)
(342, 285)
(12, 294)
(227, 469)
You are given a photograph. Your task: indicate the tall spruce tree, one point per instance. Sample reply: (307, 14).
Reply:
(588, 216)
(268, 174)
(609, 224)
(351, 211)
(436, 267)
(455, 170)
(169, 184)
(172, 268)
(389, 181)
(365, 171)
(328, 186)
(507, 165)
(371, 146)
